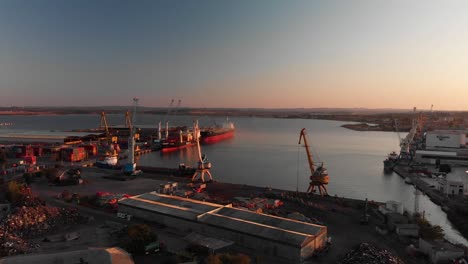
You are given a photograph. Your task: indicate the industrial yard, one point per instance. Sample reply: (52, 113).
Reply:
(316, 210)
(87, 171)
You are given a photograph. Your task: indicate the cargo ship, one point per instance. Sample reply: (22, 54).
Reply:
(176, 142)
(212, 135)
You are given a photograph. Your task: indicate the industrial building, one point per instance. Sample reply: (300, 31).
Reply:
(453, 184)
(453, 139)
(444, 147)
(439, 251)
(266, 234)
(459, 157)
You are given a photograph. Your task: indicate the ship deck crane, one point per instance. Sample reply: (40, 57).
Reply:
(204, 165)
(319, 174)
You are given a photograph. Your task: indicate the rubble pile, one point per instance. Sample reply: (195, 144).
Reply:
(11, 244)
(366, 253)
(33, 221)
(26, 198)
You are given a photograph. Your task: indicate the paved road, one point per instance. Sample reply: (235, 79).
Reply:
(171, 238)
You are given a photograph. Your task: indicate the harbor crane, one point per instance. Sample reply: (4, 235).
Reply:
(168, 110)
(405, 143)
(318, 174)
(104, 125)
(130, 167)
(204, 165)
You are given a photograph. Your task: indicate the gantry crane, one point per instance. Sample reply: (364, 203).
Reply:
(318, 174)
(204, 165)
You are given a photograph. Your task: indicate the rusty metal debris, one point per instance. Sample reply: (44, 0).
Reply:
(369, 254)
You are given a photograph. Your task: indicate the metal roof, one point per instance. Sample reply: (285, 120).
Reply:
(270, 220)
(170, 205)
(282, 230)
(254, 229)
(208, 242)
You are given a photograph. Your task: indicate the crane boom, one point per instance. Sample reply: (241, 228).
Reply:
(303, 135)
(128, 121)
(169, 110)
(105, 126)
(318, 176)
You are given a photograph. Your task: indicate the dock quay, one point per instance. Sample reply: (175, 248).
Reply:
(434, 195)
(454, 206)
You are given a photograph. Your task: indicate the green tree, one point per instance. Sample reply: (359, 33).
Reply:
(3, 159)
(28, 178)
(14, 192)
(228, 259)
(428, 231)
(136, 237)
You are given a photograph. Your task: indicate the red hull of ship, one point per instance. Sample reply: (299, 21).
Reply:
(175, 148)
(216, 138)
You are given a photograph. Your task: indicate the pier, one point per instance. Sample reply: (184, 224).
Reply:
(454, 206)
(434, 195)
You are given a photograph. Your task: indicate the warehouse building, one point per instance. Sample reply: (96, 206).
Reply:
(269, 235)
(453, 139)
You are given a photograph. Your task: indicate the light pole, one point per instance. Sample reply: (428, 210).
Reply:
(466, 185)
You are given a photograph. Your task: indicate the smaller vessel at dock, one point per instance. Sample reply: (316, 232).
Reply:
(107, 161)
(6, 124)
(391, 161)
(408, 180)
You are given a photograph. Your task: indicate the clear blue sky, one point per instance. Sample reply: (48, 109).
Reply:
(240, 53)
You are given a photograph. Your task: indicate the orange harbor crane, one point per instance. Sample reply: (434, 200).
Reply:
(318, 174)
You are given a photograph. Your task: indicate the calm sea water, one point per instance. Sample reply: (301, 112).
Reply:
(265, 152)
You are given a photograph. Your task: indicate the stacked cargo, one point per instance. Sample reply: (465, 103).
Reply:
(73, 154)
(38, 151)
(30, 160)
(21, 151)
(91, 149)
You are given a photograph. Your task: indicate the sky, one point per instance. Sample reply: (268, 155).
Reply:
(242, 53)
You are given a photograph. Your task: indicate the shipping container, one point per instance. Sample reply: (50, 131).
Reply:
(91, 149)
(21, 151)
(30, 159)
(38, 151)
(73, 154)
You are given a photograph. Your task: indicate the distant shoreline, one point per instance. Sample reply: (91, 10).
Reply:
(18, 113)
(357, 120)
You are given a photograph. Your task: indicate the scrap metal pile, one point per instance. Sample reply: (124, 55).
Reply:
(31, 221)
(366, 253)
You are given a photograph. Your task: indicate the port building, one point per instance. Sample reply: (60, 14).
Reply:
(266, 234)
(441, 139)
(444, 147)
